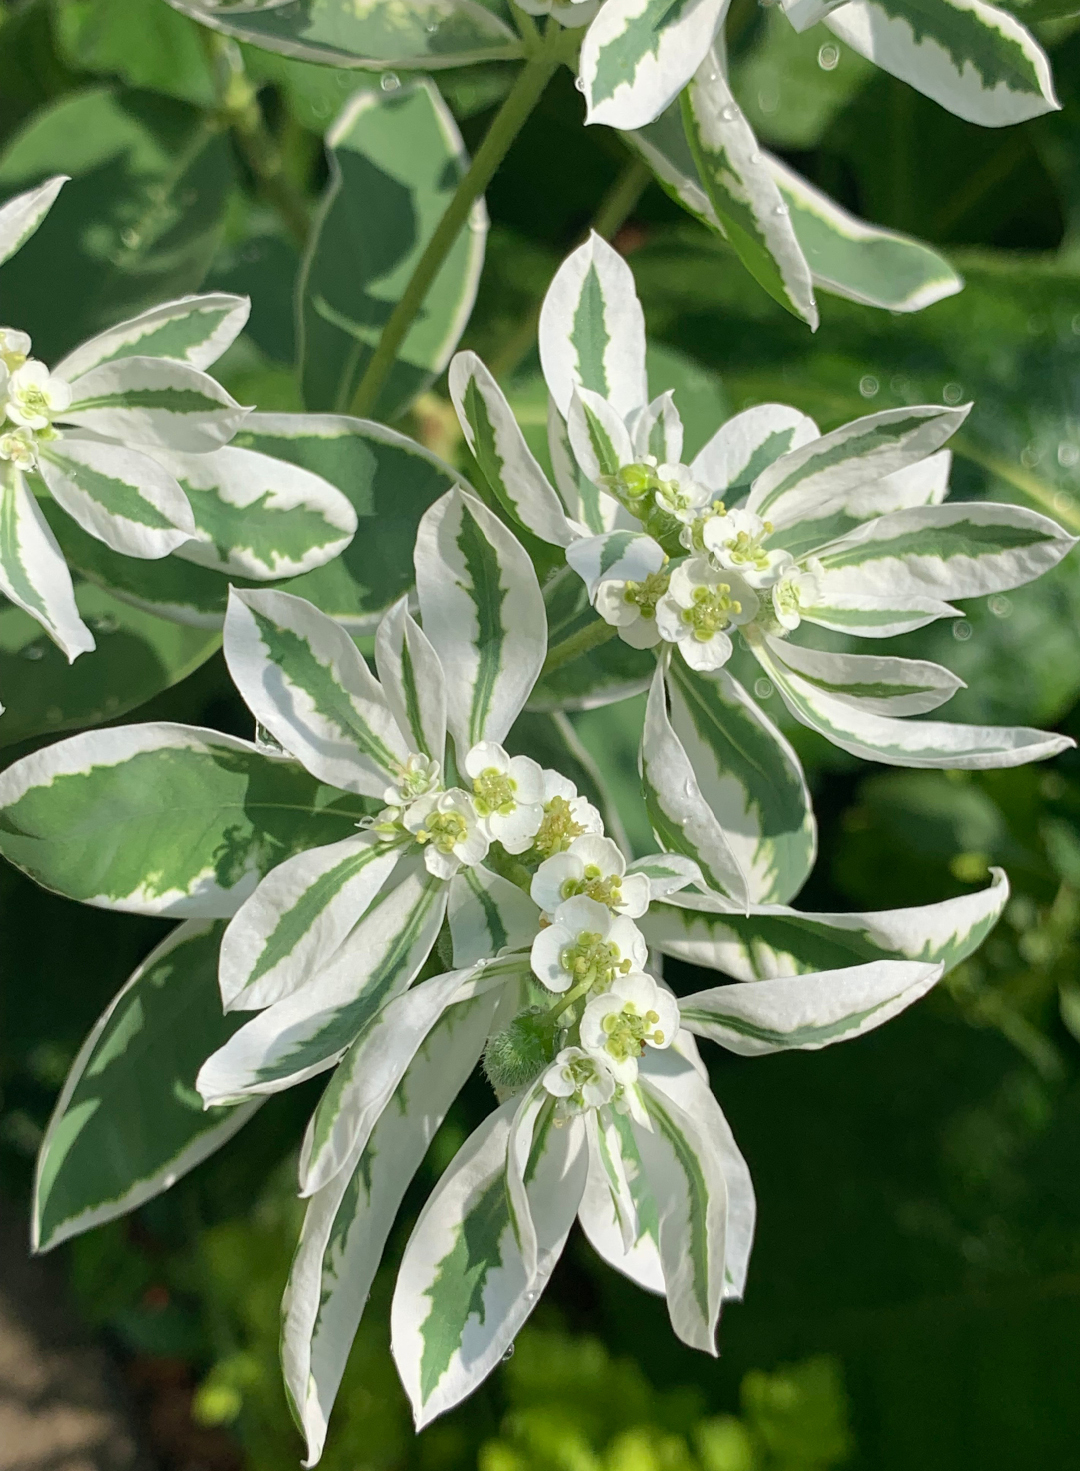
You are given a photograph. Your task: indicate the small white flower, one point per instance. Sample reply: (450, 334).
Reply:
(19, 447)
(631, 608)
(586, 945)
(448, 825)
(34, 396)
(14, 347)
(797, 588)
(636, 1013)
(679, 494)
(508, 793)
(736, 540)
(419, 776)
(579, 1081)
(566, 816)
(595, 867)
(698, 608)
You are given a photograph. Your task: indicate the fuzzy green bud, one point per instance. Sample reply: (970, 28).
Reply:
(514, 1057)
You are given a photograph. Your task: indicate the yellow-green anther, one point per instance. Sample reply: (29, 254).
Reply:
(711, 611)
(558, 828)
(494, 792)
(648, 593)
(627, 1032)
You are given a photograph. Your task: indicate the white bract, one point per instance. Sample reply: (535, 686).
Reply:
(128, 433)
(508, 795)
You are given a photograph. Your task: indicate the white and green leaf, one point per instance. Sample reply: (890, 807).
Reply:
(878, 685)
(488, 914)
(194, 330)
(162, 819)
(743, 193)
(965, 549)
(638, 55)
(259, 517)
(122, 497)
(155, 402)
(462, 1292)
(623, 555)
(412, 679)
(667, 873)
(605, 1213)
(20, 216)
(349, 1219)
(303, 678)
(587, 505)
(309, 1030)
(484, 614)
(499, 448)
(806, 1012)
(33, 572)
(128, 1123)
(598, 436)
(297, 918)
(815, 479)
(974, 59)
(657, 430)
(743, 446)
(592, 330)
(868, 617)
(681, 819)
(773, 940)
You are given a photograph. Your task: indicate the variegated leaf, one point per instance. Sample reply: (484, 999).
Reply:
(413, 683)
(680, 816)
(625, 556)
(604, 1215)
(499, 448)
(806, 1012)
(21, 216)
(686, 1177)
(488, 914)
(750, 778)
(679, 1073)
(128, 1123)
(975, 59)
(667, 873)
(598, 436)
(259, 517)
(639, 54)
(897, 742)
(462, 1293)
(428, 34)
(586, 504)
(812, 481)
(193, 329)
(309, 1030)
(484, 614)
(298, 917)
(869, 682)
(161, 819)
(965, 549)
(867, 617)
(592, 330)
(743, 193)
(125, 499)
(773, 940)
(730, 462)
(303, 678)
(349, 1219)
(33, 573)
(155, 401)
(926, 483)
(657, 430)
(367, 1076)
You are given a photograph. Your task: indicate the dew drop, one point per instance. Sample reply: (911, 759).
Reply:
(1067, 454)
(961, 631)
(480, 965)
(868, 385)
(952, 393)
(729, 114)
(579, 83)
(390, 82)
(1063, 502)
(780, 209)
(509, 1354)
(763, 688)
(1000, 606)
(532, 1295)
(33, 652)
(432, 28)
(828, 57)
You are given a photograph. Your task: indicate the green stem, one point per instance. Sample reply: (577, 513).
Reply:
(590, 637)
(523, 96)
(1055, 503)
(238, 101)
(615, 208)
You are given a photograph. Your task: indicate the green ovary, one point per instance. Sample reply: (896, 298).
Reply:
(645, 595)
(445, 830)
(627, 1033)
(710, 612)
(592, 962)
(494, 792)
(746, 550)
(594, 886)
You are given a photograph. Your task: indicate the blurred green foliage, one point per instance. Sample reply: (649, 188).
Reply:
(918, 1255)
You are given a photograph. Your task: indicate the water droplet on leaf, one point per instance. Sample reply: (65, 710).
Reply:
(390, 82)
(828, 57)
